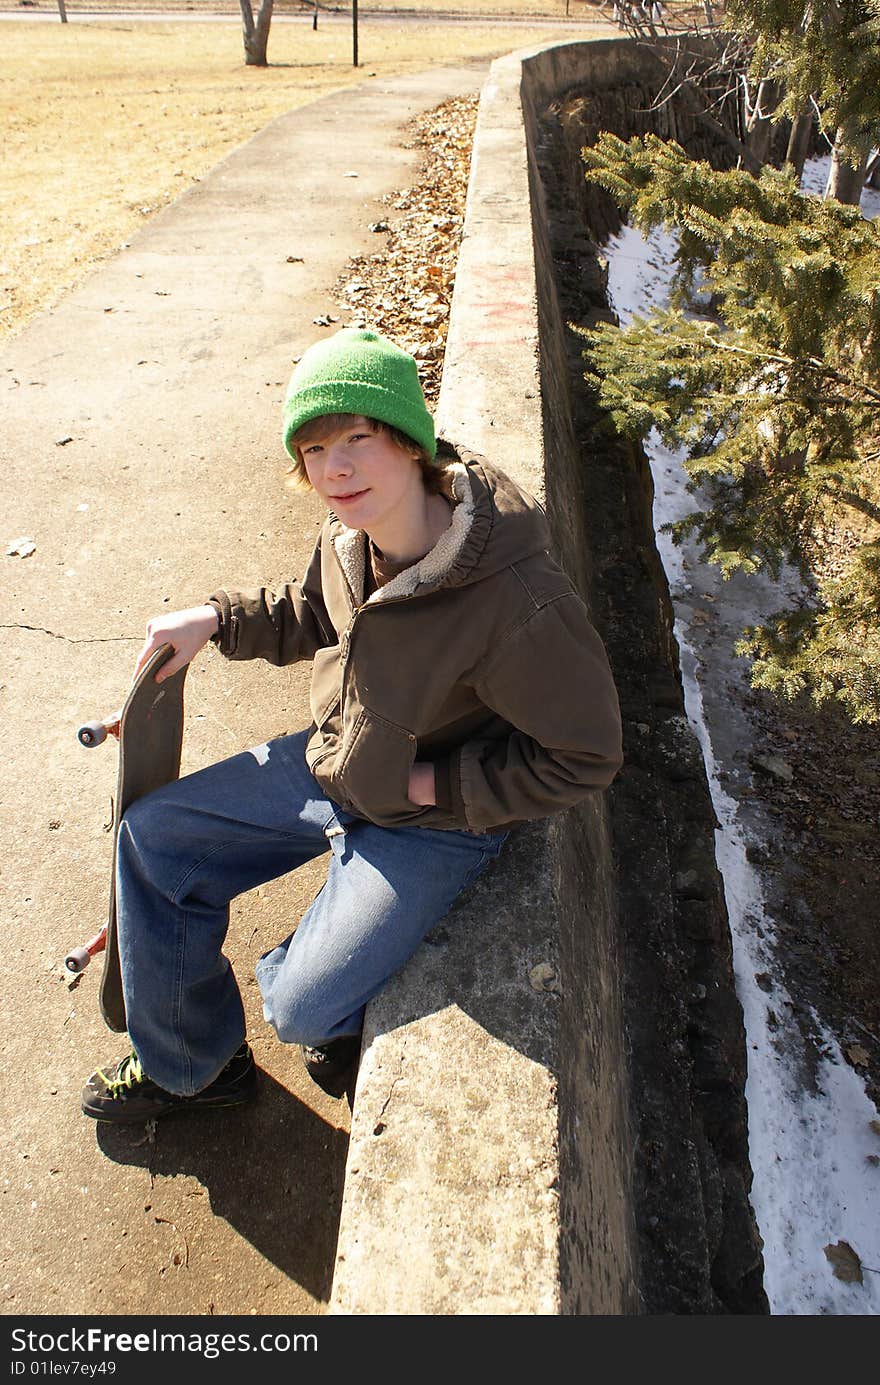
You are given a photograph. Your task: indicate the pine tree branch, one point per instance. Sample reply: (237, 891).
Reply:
(778, 358)
(855, 502)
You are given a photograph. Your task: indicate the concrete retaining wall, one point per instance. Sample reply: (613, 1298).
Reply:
(494, 1165)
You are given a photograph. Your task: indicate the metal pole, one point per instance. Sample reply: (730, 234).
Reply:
(354, 32)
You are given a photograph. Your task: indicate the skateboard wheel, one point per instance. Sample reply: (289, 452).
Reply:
(93, 733)
(77, 960)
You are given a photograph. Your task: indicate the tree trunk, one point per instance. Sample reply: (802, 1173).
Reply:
(62, 10)
(799, 141)
(692, 103)
(256, 32)
(846, 179)
(760, 123)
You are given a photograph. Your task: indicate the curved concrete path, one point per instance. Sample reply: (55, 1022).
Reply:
(141, 453)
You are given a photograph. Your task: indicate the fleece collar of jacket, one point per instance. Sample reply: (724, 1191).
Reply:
(351, 548)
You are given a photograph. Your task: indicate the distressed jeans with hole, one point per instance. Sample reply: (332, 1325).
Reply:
(188, 849)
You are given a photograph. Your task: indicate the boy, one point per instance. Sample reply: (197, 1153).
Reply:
(458, 688)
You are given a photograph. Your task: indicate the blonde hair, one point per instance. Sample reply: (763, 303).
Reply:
(434, 477)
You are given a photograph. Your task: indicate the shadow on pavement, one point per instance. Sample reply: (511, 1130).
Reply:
(247, 1160)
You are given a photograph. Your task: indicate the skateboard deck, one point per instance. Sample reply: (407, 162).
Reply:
(150, 740)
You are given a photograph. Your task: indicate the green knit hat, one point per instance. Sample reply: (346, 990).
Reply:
(358, 372)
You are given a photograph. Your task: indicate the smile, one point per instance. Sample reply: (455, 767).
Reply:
(350, 495)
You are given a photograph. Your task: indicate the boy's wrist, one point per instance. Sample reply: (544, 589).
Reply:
(421, 784)
(212, 611)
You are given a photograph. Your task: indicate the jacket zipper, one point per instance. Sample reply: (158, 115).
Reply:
(345, 641)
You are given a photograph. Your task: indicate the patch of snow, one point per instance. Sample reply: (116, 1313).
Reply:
(816, 176)
(811, 1146)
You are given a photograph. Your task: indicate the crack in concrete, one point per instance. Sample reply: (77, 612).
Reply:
(380, 1124)
(71, 639)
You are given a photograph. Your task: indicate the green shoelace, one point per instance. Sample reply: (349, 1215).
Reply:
(129, 1074)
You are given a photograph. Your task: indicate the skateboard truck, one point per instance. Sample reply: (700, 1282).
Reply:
(79, 957)
(96, 732)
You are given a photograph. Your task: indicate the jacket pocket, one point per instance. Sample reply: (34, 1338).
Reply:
(373, 773)
(326, 684)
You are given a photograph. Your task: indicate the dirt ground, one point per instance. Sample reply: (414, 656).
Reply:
(822, 787)
(105, 123)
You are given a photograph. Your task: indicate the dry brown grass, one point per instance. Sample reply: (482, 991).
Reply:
(106, 122)
(284, 9)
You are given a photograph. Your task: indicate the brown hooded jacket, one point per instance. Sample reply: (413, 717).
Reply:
(479, 658)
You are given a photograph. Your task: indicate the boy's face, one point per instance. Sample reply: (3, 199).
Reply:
(362, 475)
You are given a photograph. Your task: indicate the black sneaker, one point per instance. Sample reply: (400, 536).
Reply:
(332, 1066)
(124, 1093)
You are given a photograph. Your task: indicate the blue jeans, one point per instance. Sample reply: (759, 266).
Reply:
(186, 850)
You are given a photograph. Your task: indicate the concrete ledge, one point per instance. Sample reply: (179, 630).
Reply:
(491, 1167)
(452, 1200)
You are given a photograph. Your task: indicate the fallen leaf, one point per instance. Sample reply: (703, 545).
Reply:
(773, 765)
(844, 1262)
(409, 282)
(543, 977)
(855, 1054)
(21, 548)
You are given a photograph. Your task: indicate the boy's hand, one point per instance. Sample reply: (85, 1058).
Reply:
(187, 631)
(422, 788)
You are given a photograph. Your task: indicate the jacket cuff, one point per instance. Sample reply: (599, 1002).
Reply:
(224, 639)
(447, 785)
(442, 784)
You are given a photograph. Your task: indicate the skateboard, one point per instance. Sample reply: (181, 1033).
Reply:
(149, 729)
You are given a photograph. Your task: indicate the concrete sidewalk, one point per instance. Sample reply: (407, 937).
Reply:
(142, 454)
